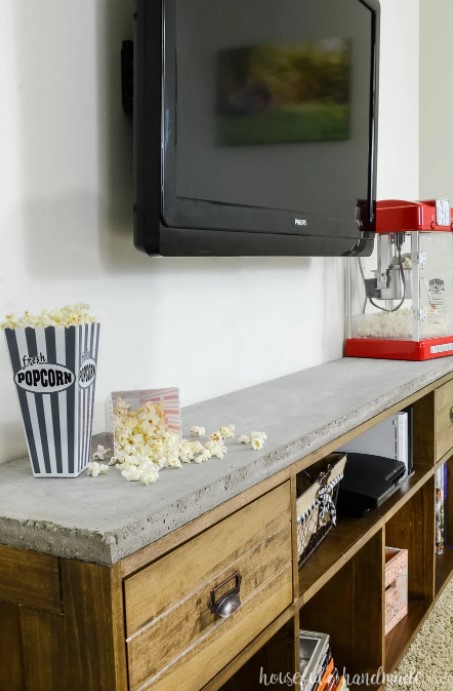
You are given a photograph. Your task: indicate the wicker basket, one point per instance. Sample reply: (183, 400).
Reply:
(316, 505)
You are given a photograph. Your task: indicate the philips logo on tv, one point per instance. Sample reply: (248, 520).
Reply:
(300, 222)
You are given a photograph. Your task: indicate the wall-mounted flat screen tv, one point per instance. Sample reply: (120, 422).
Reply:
(255, 125)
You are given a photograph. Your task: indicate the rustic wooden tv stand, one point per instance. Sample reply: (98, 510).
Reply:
(106, 585)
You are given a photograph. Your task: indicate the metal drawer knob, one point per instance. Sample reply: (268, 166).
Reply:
(230, 601)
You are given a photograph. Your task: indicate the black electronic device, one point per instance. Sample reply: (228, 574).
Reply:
(367, 482)
(255, 127)
(393, 438)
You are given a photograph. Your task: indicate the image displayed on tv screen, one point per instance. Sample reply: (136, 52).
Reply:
(275, 94)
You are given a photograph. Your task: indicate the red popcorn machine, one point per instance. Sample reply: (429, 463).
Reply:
(400, 298)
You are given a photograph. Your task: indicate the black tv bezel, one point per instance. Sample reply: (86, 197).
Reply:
(218, 229)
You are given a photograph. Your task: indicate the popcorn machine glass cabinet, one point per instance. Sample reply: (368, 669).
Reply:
(401, 297)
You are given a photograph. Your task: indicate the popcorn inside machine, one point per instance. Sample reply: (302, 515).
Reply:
(400, 298)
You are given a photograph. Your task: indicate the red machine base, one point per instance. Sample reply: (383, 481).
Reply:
(393, 349)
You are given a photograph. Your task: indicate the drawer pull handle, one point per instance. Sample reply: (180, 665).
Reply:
(451, 414)
(230, 601)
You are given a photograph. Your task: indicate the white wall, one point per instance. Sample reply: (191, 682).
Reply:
(436, 99)
(398, 155)
(209, 326)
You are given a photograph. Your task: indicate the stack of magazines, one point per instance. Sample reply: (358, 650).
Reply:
(317, 666)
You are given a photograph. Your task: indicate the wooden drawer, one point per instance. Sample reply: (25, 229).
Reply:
(168, 619)
(443, 410)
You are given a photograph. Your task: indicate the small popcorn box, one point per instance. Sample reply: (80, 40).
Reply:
(396, 586)
(54, 371)
(165, 401)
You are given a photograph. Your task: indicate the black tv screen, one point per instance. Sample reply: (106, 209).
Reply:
(255, 127)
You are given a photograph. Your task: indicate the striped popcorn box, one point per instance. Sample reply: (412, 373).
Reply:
(54, 371)
(166, 400)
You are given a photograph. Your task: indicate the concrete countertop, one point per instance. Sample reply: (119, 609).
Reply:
(104, 519)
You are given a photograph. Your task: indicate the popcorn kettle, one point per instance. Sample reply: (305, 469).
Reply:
(400, 299)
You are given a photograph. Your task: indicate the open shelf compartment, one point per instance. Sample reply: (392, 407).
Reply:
(412, 528)
(348, 536)
(334, 609)
(444, 562)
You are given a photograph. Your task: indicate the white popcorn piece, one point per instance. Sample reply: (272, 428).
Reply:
(244, 439)
(132, 474)
(227, 432)
(202, 457)
(94, 468)
(148, 477)
(197, 431)
(217, 449)
(259, 435)
(100, 453)
(257, 443)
